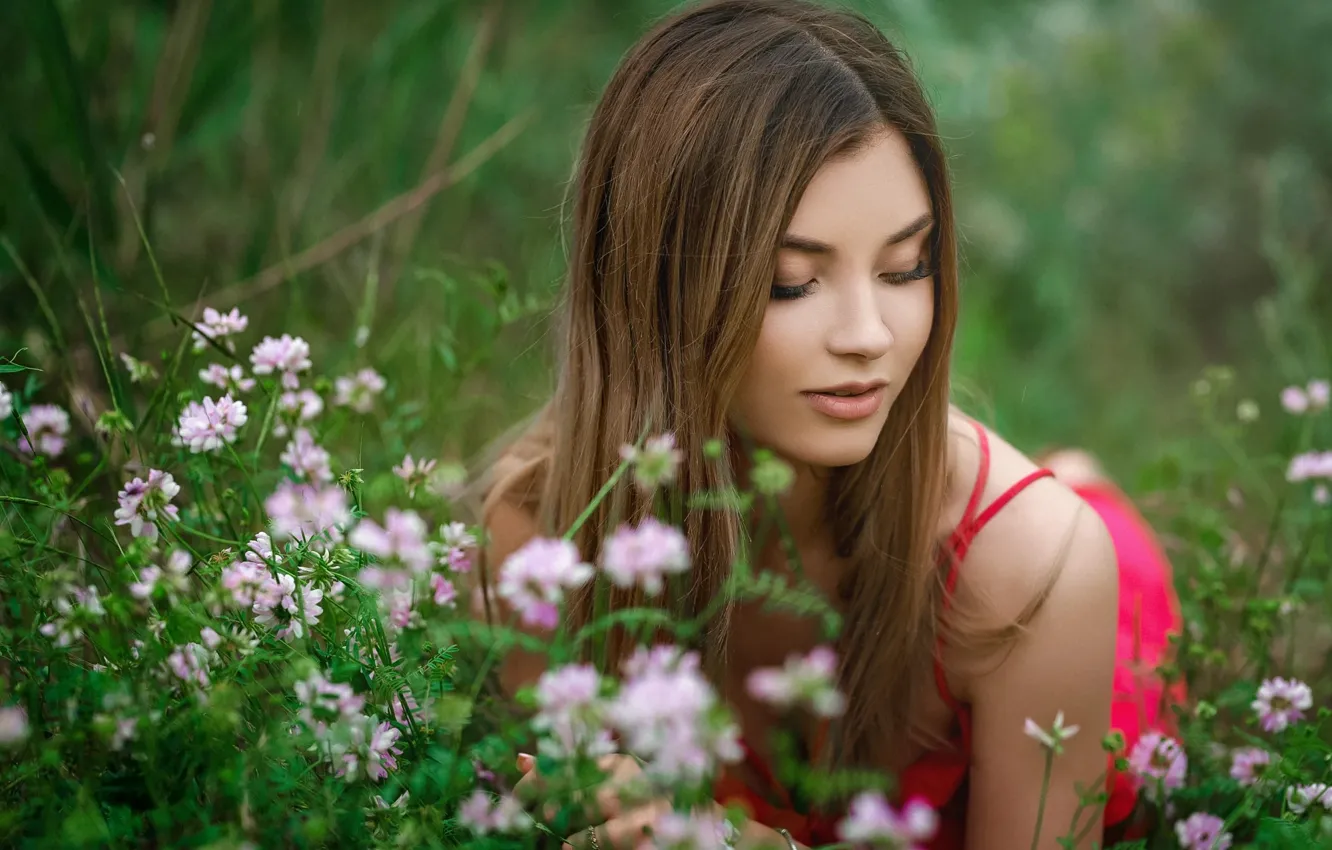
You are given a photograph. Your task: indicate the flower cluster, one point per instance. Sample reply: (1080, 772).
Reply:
(358, 391)
(218, 326)
(308, 512)
(1316, 395)
(47, 426)
(533, 580)
(210, 425)
(870, 819)
(668, 714)
(143, 504)
(571, 716)
(809, 681)
(483, 814)
(286, 356)
(230, 380)
(645, 555)
(656, 464)
(171, 581)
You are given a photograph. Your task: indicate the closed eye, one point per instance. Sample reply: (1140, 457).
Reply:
(790, 293)
(922, 270)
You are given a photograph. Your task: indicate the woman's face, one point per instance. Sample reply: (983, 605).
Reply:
(850, 312)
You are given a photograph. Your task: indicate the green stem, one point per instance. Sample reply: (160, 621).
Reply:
(1045, 790)
(596, 500)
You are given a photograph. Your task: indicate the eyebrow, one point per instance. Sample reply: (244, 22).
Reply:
(805, 245)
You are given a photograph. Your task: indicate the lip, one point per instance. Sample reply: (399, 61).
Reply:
(852, 387)
(852, 407)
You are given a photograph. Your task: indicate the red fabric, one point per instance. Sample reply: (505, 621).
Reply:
(1148, 612)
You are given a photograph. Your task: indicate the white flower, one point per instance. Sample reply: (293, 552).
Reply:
(1053, 739)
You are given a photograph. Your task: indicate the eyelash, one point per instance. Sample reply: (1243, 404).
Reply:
(920, 272)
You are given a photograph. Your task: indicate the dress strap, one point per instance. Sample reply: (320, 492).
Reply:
(959, 542)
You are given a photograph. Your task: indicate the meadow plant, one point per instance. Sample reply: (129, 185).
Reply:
(212, 635)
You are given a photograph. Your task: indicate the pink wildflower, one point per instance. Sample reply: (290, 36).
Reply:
(1322, 495)
(82, 605)
(13, 725)
(413, 473)
(295, 407)
(172, 581)
(47, 426)
(144, 503)
(656, 463)
(506, 814)
(1202, 832)
(260, 550)
(190, 664)
(871, 820)
(810, 680)
(231, 380)
(286, 355)
(698, 830)
(401, 540)
(533, 579)
(446, 595)
(1248, 763)
(370, 750)
(401, 613)
(307, 460)
(208, 426)
(1320, 394)
(452, 549)
(312, 512)
(1300, 798)
(324, 702)
(668, 714)
(1294, 400)
(279, 602)
(570, 716)
(1309, 465)
(217, 326)
(244, 580)
(1160, 762)
(644, 555)
(1281, 702)
(358, 391)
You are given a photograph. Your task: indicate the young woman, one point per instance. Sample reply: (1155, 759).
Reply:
(763, 245)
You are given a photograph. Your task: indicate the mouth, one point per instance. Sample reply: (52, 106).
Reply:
(848, 401)
(850, 389)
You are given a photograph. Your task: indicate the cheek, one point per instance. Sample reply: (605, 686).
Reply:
(911, 318)
(772, 372)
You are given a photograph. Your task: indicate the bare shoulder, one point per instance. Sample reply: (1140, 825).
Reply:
(1044, 547)
(508, 525)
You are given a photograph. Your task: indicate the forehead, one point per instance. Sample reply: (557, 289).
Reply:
(865, 196)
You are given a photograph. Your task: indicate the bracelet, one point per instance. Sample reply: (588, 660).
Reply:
(790, 842)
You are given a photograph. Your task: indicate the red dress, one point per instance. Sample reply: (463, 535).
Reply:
(1148, 611)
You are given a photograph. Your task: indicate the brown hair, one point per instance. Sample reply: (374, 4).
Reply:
(694, 162)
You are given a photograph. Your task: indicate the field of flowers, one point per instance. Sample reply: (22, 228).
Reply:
(235, 552)
(219, 631)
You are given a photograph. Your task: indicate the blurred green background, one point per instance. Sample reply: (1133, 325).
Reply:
(1143, 188)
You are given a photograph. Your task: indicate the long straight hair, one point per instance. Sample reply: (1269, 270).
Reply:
(695, 159)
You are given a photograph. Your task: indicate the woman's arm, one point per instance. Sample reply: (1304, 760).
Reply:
(1064, 662)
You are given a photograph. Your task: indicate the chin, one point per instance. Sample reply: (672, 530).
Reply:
(833, 447)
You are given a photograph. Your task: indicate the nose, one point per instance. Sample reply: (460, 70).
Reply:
(858, 328)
